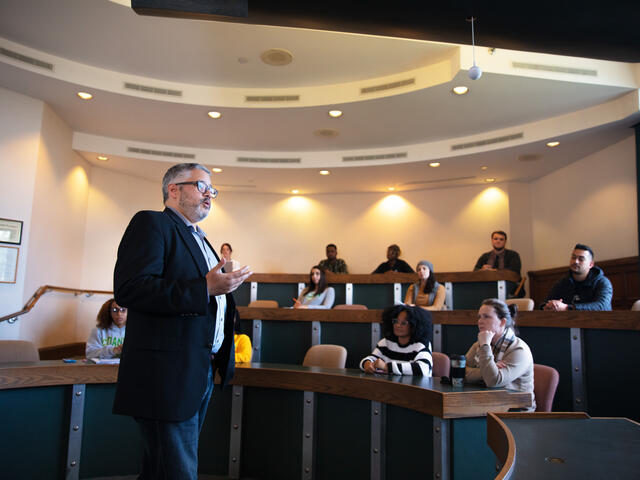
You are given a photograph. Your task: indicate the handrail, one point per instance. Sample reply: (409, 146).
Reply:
(13, 317)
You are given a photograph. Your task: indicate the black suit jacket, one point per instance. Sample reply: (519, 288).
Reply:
(160, 277)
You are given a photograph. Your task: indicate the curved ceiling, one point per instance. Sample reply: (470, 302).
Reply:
(100, 45)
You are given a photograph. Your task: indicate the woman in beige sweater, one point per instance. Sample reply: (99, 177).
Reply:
(426, 292)
(499, 358)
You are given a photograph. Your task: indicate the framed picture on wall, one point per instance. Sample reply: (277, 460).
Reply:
(8, 264)
(10, 231)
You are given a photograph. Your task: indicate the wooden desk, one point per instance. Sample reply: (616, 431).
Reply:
(263, 422)
(564, 445)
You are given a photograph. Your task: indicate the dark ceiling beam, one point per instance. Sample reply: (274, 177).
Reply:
(603, 30)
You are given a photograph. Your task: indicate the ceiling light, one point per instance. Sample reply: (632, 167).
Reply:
(324, 172)
(391, 189)
(490, 180)
(102, 158)
(277, 57)
(214, 115)
(553, 144)
(434, 164)
(85, 95)
(483, 167)
(295, 191)
(335, 113)
(460, 90)
(216, 170)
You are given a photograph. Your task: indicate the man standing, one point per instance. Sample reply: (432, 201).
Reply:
(499, 258)
(332, 263)
(585, 288)
(180, 323)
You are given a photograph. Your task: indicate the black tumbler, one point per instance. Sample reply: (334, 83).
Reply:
(458, 364)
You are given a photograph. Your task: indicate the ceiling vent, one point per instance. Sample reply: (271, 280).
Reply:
(231, 185)
(272, 98)
(556, 69)
(154, 90)
(529, 157)
(382, 156)
(161, 153)
(326, 132)
(387, 86)
(442, 180)
(487, 141)
(25, 59)
(267, 160)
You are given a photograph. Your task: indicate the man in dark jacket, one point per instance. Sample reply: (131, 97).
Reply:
(585, 288)
(499, 258)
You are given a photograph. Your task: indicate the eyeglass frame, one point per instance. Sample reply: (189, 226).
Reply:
(119, 309)
(397, 321)
(202, 187)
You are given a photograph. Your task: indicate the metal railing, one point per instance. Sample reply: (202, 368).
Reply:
(13, 317)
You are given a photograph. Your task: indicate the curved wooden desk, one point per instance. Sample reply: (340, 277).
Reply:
(564, 445)
(344, 423)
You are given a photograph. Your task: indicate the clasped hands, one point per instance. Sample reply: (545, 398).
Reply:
(375, 367)
(219, 283)
(484, 338)
(555, 306)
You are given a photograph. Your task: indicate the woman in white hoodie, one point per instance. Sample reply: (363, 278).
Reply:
(105, 340)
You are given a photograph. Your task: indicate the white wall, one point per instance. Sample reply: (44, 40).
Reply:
(20, 122)
(591, 201)
(56, 243)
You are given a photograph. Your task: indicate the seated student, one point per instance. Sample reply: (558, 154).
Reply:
(316, 294)
(393, 263)
(231, 265)
(105, 340)
(426, 293)
(499, 358)
(584, 288)
(244, 351)
(500, 258)
(405, 348)
(332, 263)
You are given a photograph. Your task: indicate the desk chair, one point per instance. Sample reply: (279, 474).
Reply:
(545, 383)
(441, 364)
(330, 356)
(355, 306)
(524, 304)
(264, 304)
(12, 351)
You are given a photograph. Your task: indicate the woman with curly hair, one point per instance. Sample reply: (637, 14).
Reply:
(405, 348)
(316, 294)
(105, 340)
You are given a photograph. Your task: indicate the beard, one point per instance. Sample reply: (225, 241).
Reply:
(195, 211)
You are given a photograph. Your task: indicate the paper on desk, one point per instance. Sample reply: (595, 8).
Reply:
(105, 361)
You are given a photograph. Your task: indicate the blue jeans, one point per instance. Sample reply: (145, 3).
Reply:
(171, 448)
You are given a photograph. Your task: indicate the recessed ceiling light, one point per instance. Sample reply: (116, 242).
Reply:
(103, 158)
(214, 115)
(335, 113)
(277, 57)
(553, 144)
(216, 170)
(391, 189)
(489, 180)
(434, 164)
(483, 167)
(324, 172)
(85, 95)
(295, 191)
(460, 90)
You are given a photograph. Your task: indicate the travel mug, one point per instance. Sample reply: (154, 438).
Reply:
(458, 364)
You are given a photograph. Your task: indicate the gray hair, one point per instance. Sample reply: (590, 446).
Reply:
(176, 173)
(508, 312)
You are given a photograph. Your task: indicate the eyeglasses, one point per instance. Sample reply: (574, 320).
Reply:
(402, 323)
(118, 309)
(202, 187)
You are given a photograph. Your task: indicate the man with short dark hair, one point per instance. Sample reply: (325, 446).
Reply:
(499, 258)
(179, 325)
(585, 288)
(332, 263)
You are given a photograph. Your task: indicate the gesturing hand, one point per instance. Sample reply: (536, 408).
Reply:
(219, 283)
